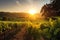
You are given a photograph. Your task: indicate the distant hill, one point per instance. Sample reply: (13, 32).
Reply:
(16, 15)
(8, 14)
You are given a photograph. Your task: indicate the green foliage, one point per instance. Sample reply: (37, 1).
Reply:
(44, 30)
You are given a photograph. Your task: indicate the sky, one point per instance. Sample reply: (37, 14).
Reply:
(21, 5)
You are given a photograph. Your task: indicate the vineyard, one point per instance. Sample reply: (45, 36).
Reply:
(42, 30)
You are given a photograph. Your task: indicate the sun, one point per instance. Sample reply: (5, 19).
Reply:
(32, 12)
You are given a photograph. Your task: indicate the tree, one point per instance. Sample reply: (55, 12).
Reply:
(52, 9)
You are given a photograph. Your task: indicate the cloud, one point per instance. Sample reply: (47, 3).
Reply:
(18, 3)
(28, 2)
(23, 1)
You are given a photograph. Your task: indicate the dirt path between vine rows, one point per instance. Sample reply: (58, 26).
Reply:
(19, 35)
